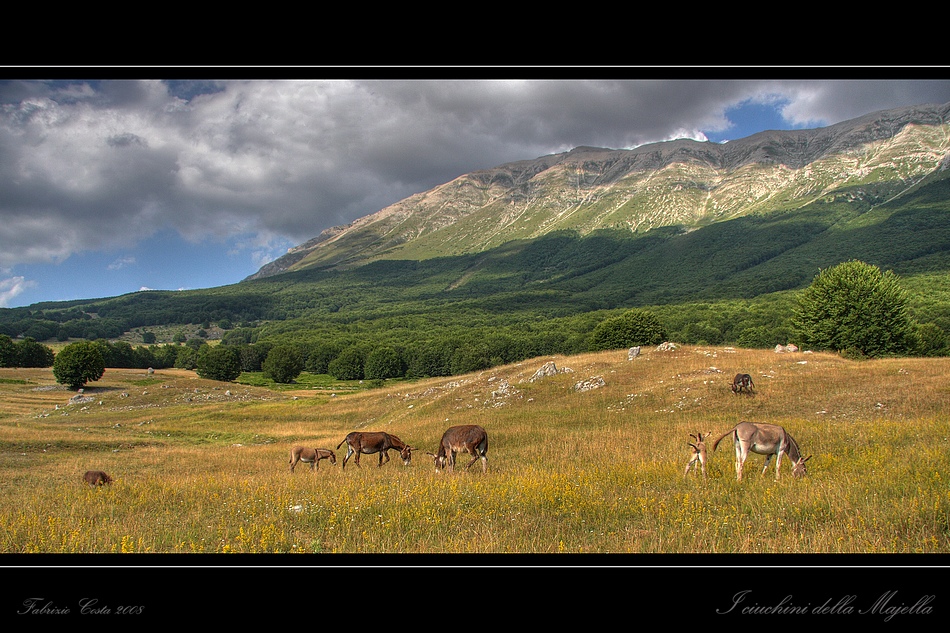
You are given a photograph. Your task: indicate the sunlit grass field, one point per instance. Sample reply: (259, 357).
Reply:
(201, 466)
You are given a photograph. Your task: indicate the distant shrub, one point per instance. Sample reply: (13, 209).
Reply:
(633, 327)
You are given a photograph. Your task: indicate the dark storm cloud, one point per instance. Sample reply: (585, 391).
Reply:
(85, 165)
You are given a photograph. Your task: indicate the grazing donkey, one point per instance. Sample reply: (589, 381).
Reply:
(768, 440)
(310, 456)
(96, 478)
(359, 442)
(467, 438)
(742, 381)
(697, 453)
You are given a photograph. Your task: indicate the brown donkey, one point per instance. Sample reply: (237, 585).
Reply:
(96, 478)
(310, 456)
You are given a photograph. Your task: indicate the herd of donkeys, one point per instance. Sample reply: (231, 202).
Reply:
(770, 440)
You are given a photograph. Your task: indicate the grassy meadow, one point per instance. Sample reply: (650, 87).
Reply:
(202, 466)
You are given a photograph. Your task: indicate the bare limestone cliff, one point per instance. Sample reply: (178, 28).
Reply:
(676, 183)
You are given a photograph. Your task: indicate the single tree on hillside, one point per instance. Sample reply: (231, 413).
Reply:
(79, 363)
(855, 308)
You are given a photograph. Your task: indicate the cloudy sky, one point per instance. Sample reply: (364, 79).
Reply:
(110, 186)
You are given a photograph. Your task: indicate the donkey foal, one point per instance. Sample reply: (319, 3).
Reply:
(697, 454)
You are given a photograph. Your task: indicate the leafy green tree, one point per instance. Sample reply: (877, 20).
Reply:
(759, 336)
(219, 362)
(165, 355)
(855, 308)
(931, 340)
(430, 358)
(382, 363)
(32, 354)
(473, 356)
(702, 333)
(8, 354)
(196, 343)
(118, 354)
(186, 358)
(283, 363)
(320, 355)
(79, 363)
(348, 365)
(633, 327)
(148, 337)
(144, 357)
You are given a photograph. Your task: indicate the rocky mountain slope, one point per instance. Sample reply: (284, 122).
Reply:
(681, 183)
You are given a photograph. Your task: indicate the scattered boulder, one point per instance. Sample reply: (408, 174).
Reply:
(666, 347)
(549, 369)
(504, 390)
(79, 398)
(781, 349)
(633, 352)
(595, 382)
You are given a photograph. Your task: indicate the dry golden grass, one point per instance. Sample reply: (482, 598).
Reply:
(202, 466)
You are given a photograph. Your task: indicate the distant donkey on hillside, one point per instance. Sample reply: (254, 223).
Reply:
(742, 381)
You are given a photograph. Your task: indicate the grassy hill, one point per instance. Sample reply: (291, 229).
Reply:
(588, 460)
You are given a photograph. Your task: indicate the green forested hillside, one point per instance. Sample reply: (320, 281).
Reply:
(729, 282)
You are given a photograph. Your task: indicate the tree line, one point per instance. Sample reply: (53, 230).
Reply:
(853, 308)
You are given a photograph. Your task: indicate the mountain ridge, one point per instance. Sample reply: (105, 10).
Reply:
(682, 182)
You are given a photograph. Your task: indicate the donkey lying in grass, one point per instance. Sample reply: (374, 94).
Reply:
(765, 439)
(310, 456)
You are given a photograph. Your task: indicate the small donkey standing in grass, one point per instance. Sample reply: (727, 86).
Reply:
(310, 456)
(697, 453)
